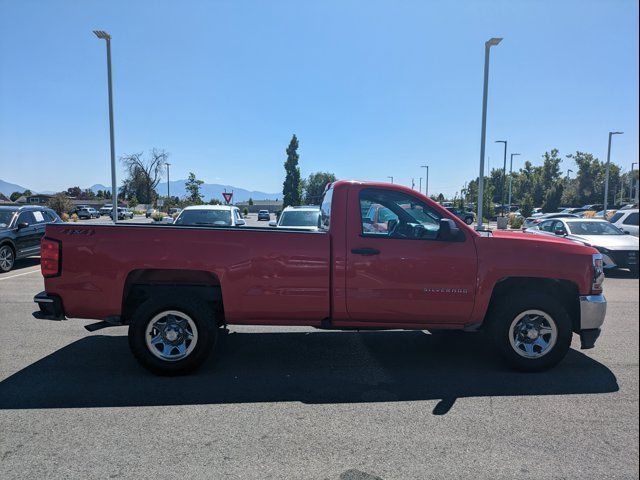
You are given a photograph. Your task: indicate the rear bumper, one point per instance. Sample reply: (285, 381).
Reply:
(50, 307)
(593, 309)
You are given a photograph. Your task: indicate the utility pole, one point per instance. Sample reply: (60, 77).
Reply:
(504, 174)
(390, 178)
(483, 135)
(631, 197)
(420, 185)
(426, 182)
(114, 191)
(511, 177)
(168, 193)
(606, 180)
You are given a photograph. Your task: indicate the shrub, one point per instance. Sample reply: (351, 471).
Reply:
(589, 214)
(74, 217)
(158, 216)
(515, 222)
(65, 217)
(245, 212)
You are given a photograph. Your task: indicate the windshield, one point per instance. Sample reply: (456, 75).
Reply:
(593, 228)
(5, 218)
(204, 217)
(304, 218)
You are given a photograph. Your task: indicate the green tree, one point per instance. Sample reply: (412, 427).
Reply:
(250, 201)
(553, 198)
(215, 201)
(315, 185)
(14, 196)
(60, 203)
(193, 187)
(143, 175)
(291, 188)
(526, 206)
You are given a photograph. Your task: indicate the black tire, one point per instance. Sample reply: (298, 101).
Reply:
(200, 314)
(7, 258)
(507, 310)
(468, 220)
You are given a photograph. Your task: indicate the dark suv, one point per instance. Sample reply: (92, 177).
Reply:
(21, 229)
(466, 217)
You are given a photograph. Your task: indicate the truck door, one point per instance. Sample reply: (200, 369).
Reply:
(399, 270)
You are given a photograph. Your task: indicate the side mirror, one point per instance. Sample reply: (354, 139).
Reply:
(560, 233)
(240, 222)
(273, 223)
(22, 225)
(448, 230)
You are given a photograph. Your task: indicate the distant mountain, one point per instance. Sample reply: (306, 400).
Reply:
(214, 190)
(7, 188)
(176, 187)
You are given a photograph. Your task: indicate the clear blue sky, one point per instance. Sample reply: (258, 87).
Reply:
(371, 88)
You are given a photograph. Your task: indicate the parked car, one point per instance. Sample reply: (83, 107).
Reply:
(626, 220)
(87, 212)
(175, 210)
(466, 217)
(428, 270)
(619, 250)
(106, 210)
(211, 216)
(533, 221)
(264, 215)
(76, 209)
(150, 212)
(302, 217)
(124, 213)
(21, 229)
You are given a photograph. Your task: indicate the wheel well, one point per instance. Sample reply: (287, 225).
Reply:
(146, 283)
(10, 244)
(565, 291)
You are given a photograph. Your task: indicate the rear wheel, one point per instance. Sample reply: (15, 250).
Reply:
(172, 335)
(532, 331)
(7, 258)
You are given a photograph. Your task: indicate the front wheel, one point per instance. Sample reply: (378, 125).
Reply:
(172, 335)
(532, 331)
(7, 258)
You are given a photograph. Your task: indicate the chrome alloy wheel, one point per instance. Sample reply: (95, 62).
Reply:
(6, 258)
(171, 335)
(533, 334)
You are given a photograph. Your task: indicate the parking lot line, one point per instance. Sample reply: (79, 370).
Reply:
(20, 274)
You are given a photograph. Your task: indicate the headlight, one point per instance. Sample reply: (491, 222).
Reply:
(598, 273)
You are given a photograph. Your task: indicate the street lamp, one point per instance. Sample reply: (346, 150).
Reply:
(568, 172)
(426, 180)
(420, 185)
(168, 193)
(390, 178)
(631, 184)
(606, 179)
(504, 173)
(114, 192)
(511, 177)
(483, 135)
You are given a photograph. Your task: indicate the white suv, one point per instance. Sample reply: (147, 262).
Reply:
(626, 220)
(305, 217)
(210, 215)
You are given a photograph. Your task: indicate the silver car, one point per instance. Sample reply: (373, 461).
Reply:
(537, 219)
(619, 249)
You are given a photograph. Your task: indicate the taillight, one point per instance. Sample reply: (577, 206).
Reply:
(598, 273)
(50, 257)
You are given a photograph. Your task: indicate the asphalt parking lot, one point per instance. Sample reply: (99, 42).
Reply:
(301, 403)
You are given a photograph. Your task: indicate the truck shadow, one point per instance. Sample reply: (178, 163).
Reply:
(314, 367)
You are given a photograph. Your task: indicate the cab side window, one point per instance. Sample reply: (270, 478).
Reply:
(394, 214)
(546, 226)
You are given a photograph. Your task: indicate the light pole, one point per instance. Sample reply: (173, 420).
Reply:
(420, 185)
(114, 192)
(504, 173)
(606, 179)
(483, 135)
(426, 180)
(168, 193)
(631, 184)
(511, 177)
(568, 172)
(390, 178)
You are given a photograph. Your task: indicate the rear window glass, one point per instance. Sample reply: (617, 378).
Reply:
(307, 218)
(204, 217)
(325, 210)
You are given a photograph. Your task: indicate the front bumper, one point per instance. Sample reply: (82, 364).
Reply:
(50, 307)
(593, 309)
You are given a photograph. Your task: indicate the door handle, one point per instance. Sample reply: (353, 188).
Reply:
(365, 251)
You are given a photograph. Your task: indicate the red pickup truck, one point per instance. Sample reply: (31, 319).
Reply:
(422, 268)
